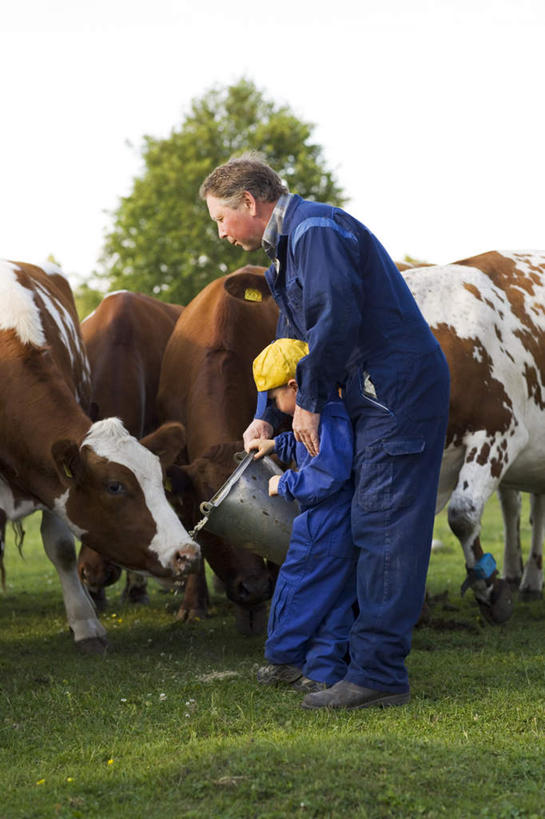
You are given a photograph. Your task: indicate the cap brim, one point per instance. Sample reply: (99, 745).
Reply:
(262, 398)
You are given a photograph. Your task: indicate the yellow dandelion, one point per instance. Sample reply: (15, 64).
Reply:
(40, 781)
(110, 762)
(69, 779)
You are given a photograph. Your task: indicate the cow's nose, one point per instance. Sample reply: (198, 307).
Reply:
(187, 559)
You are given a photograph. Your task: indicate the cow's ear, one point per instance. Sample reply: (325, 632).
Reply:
(68, 461)
(167, 442)
(179, 479)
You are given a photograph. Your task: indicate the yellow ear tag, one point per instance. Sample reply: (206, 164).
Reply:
(168, 484)
(252, 295)
(67, 471)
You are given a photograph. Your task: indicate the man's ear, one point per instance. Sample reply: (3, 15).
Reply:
(249, 201)
(69, 462)
(166, 442)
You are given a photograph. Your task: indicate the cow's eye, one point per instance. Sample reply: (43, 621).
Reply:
(115, 488)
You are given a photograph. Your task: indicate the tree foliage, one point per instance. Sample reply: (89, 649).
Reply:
(163, 241)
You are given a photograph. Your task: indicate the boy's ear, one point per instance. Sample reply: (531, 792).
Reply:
(292, 383)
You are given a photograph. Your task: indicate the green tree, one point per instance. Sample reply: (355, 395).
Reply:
(163, 241)
(87, 299)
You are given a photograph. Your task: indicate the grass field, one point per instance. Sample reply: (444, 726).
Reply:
(170, 723)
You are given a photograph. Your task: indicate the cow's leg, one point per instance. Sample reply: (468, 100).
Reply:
(531, 587)
(194, 605)
(136, 589)
(512, 556)
(477, 480)
(58, 541)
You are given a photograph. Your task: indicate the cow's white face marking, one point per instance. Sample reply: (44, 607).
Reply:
(19, 311)
(109, 439)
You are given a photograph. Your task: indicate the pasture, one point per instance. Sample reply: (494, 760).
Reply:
(171, 723)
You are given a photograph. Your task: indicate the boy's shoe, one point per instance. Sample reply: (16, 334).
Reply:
(308, 686)
(278, 674)
(345, 694)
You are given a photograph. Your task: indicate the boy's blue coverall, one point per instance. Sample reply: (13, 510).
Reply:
(312, 607)
(339, 290)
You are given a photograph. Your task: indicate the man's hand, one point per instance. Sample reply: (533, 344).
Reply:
(273, 484)
(257, 429)
(262, 447)
(305, 428)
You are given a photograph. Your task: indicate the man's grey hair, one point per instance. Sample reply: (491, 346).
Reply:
(248, 172)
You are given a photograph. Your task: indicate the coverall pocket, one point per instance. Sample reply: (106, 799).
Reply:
(294, 294)
(385, 480)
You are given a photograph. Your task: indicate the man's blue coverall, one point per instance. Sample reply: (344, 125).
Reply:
(339, 290)
(312, 609)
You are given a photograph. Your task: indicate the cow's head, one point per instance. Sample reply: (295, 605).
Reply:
(114, 499)
(248, 579)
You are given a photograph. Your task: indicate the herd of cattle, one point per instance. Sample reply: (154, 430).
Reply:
(119, 428)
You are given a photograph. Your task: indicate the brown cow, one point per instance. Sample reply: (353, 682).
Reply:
(213, 344)
(92, 480)
(125, 338)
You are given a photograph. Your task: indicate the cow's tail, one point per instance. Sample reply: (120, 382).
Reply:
(19, 534)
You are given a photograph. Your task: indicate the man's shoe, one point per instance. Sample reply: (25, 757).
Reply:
(307, 686)
(345, 694)
(278, 674)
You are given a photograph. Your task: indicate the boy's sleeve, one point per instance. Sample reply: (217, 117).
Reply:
(284, 447)
(324, 474)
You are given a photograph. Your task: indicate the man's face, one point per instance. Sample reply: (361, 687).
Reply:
(240, 226)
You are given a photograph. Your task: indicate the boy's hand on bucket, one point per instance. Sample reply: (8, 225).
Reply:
(257, 429)
(262, 447)
(273, 484)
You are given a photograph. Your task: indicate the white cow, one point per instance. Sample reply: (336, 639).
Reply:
(488, 314)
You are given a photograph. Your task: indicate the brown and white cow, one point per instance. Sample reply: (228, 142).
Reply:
(213, 344)
(488, 313)
(92, 480)
(125, 338)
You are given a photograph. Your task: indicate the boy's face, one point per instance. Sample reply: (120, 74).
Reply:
(285, 397)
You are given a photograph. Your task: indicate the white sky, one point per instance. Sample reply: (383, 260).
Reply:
(431, 112)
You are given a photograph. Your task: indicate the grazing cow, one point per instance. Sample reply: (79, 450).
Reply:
(213, 344)
(125, 338)
(488, 314)
(92, 480)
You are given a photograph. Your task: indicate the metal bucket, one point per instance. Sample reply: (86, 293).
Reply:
(245, 515)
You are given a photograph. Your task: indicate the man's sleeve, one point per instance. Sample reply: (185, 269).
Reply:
(327, 257)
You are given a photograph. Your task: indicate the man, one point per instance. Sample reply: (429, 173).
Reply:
(339, 290)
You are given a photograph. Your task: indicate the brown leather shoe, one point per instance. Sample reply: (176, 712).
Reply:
(345, 694)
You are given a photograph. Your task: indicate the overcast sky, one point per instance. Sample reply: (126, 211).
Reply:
(430, 112)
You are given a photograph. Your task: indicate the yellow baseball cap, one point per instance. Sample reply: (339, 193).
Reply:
(276, 365)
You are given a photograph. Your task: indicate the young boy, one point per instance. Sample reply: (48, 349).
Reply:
(312, 607)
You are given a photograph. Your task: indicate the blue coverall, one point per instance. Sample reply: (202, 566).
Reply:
(312, 609)
(339, 290)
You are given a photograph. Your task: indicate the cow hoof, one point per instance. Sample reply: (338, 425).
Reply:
(527, 595)
(500, 606)
(513, 583)
(251, 621)
(190, 615)
(92, 645)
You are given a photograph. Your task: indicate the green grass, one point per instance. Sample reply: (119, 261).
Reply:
(170, 723)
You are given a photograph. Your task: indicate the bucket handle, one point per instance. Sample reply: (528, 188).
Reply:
(206, 507)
